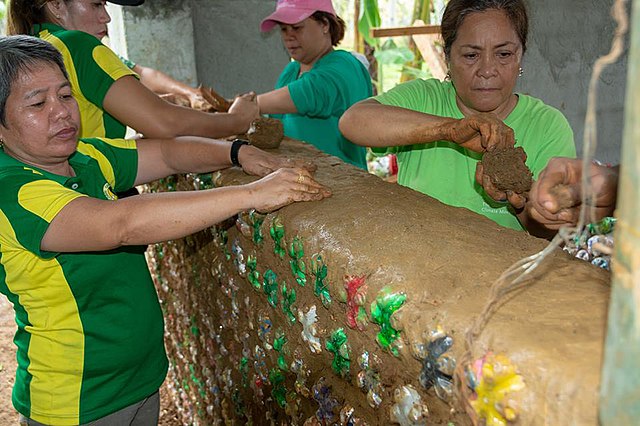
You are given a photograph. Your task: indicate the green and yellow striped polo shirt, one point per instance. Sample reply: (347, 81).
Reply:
(92, 69)
(90, 327)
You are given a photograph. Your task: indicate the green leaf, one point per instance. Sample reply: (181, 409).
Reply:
(370, 18)
(392, 54)
(415, 72)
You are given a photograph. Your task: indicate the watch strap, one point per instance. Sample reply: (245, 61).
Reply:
(235, 149)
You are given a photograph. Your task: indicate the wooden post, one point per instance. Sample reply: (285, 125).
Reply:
(620, 389)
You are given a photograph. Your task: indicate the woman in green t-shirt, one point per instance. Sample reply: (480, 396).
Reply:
(440, 129)
(90, 329)
(320, 83)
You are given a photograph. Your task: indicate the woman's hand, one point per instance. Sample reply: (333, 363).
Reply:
(480, 132)
(245, 108)
(284, 187)
(556, 197)
(257, 162)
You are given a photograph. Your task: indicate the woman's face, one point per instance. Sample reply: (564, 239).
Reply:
(307, 41)
(484, 62)
(90, 16)
(42, 118)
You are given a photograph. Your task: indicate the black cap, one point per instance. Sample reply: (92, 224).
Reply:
(127, 2)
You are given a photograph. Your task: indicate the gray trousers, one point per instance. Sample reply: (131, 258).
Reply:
(143, 413)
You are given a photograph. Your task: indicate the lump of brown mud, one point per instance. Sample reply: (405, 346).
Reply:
(507, 170)
(265, 133)
(217, 102)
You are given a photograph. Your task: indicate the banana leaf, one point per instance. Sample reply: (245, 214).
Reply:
(390, 53)
(369, 18)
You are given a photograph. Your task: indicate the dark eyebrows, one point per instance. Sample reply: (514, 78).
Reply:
(507, 43)
(36, 92)
(33, 93)
(476, 47)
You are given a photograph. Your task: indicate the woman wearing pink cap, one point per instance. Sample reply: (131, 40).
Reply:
(321, 83)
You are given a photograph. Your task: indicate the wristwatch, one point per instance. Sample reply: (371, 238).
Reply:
(235, 149)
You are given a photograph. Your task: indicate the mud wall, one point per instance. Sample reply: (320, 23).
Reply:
(395, 278)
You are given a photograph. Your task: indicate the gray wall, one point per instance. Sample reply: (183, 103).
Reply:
(232, 54)
(213, 42)
(158, 34)
(566, 38)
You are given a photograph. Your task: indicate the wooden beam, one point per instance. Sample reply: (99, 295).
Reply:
(405, 31)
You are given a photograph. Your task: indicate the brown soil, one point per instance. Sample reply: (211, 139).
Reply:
(217, 102)
(507, 170)
(8, 415)
(266, 133)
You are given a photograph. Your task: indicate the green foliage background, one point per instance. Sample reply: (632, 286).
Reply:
(3, 10)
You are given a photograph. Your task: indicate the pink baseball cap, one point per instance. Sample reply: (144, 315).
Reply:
(294, 11)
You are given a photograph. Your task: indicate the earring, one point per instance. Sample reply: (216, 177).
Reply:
(520, 72)
(447, 77)
(1, 143)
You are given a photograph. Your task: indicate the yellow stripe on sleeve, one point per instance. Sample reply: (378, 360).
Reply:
(110, 63)
(120, 143)
(105, 165)
(45, 198)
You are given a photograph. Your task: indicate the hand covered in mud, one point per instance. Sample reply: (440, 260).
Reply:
(196, 101)
(285, 186)
(260, 163)
(518, 201)
(556, 197)
(480, 132)
(246, 108)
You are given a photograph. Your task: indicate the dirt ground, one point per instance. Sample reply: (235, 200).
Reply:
(8, 416)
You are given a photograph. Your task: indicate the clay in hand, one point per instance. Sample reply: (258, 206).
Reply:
(507, 170)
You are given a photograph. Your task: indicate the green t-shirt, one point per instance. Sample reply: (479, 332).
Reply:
(321, 95)
(446, 171)
(90, 327)
(92, 69)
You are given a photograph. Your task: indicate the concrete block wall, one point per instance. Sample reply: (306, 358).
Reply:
(232, 55)
(159, 35)
(565, 40)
